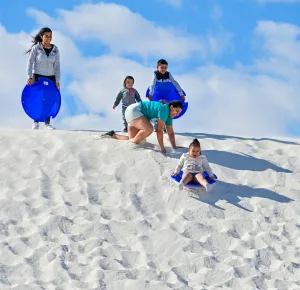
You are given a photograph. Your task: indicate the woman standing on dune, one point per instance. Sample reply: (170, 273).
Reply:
(44, 61)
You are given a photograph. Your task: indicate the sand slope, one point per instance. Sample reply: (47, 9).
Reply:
(82, 213)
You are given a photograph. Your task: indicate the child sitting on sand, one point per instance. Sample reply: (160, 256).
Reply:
(193, 165)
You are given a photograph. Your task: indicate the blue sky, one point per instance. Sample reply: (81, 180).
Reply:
(249, 41)
(236, 16)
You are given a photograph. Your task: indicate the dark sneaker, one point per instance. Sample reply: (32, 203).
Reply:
(125, 130)
(108, 134)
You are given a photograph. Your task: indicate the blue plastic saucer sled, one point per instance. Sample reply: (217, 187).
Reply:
(166, 91)
(41, 100)
(178, 177)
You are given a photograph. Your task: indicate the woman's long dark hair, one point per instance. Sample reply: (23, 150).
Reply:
(38, 38)
(176, 104)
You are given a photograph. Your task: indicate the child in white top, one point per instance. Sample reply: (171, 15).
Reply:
(193, 164)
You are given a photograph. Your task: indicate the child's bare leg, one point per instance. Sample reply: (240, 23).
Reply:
(200, 179)
(186, 178)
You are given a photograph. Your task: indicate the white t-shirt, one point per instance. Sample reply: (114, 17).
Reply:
(193, 165)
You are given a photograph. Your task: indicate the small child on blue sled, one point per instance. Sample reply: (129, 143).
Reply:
(193, 164)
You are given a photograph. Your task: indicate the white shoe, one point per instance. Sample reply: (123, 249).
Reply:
(49, 127)
(35, 126)
(181, 185)
(208, 187)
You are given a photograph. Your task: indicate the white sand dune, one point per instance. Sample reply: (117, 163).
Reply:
(82, 213)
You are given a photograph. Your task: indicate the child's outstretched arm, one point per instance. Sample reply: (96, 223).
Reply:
(177, 86)
(118, 99)
(151, 87)
(179, 165)
(137, 96)
(208, 169)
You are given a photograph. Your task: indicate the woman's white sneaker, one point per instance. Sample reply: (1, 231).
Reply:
(48, 127)
(35, 126)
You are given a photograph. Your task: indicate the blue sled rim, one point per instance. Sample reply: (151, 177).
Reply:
(192, 185)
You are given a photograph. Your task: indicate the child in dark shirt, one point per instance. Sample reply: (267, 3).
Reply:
(162, 75)
(129, 96)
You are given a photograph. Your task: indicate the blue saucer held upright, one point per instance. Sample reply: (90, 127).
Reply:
(41, 100)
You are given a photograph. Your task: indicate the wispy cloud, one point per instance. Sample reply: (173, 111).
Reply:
(125, 32)
(216, 12)
(175, 3)
(280, 41)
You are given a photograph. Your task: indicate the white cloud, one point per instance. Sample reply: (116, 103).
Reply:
(216, 12)
(281, 40)
(175, 3)
(125, 32)
(257, 100)
(12, 76)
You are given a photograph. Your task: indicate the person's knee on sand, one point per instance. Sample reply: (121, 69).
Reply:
(139, 116)
(132, 131)
(145, 129)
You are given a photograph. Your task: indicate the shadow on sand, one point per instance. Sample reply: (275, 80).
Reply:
(233, 160)
(225, 137)
(234, 193)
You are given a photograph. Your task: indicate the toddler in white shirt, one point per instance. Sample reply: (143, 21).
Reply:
(193, 164)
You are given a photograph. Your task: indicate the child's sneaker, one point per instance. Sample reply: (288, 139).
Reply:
(108, 134)
(35, 126)
(181, 185)
(48, 127)
(208, 187)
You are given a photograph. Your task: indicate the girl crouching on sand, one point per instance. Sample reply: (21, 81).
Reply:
(193, 164)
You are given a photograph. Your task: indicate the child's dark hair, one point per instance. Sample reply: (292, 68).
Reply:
(127, 78)
(162, 61)
(176, 104)
(38, 38)
(195, 143)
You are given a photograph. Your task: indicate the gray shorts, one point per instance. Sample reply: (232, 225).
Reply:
(133, 112)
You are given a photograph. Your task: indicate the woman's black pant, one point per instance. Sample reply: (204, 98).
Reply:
(35, 79)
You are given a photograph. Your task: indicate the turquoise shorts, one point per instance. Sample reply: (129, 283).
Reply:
(133, 112)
